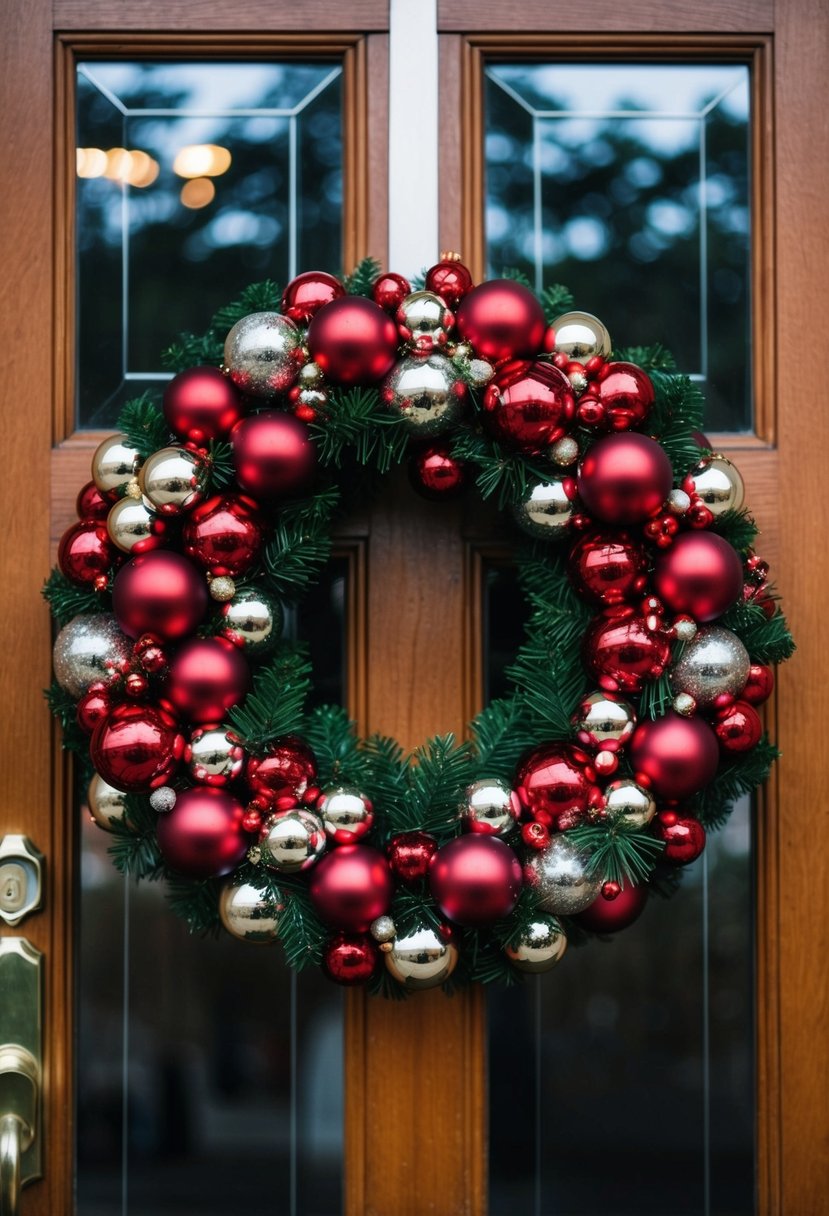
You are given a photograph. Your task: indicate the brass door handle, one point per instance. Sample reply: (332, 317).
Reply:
(21, 1071)
(19, 1099)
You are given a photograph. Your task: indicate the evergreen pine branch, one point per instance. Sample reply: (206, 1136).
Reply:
(675, 414)
(418, 281)
(618, 853)
(508, 930)
(739, 775)
(332, 737)
(144, 425)
(413, 909)
(63, 706)
(738, 528)
(767, 639)
(483, 961)
(315, 511)
(295, 553)
(193, 350)
(657, 695)
(655, 358)
(507, 475)
(67, 599)
(356, 418)
(196, 903)
(361, 280)
(500, 736)
(134, 849)
(555, 300)
(222, 469)
(516, 276)
(265, 296)
(301, 931)
(276, 704)
(437, 772)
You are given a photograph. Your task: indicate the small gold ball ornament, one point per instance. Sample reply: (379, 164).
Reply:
(581, 337)
(565, 452)
(249, 914)
(292, 841)
(222, 588)
(719, 484)
(541, 945)
(422, 959)
(424, 322)
(629, 803)
(428, 393)
(107, 805)
(489, 806)
(114, 463)
(173, 480)
(253, 619)
(133, 527)
(545, 511)
(684, 704)
(604, 720)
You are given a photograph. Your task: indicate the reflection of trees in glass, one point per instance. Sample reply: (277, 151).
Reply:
(620, 225)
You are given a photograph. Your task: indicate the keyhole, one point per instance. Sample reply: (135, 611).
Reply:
(12, 887)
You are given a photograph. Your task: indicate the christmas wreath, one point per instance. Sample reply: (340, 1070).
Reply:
(632, 725)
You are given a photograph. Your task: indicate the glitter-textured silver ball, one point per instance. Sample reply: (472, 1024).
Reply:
(248, 913)
(422, 959)
(173, 480)
(427, 392)
(540, 946)
(90, 648)
(163, 800)
(310, 375)
(382, 929)
(480, 372)
(131, 522)
(603, 718)
(565, 451)
(559, 875)
(114, 463)
(713, 663)
(685, 629)
(253, 617)
(292, 841)
(214, 756)
(545, 511)
(719, 484)
(489, 806)
(629, 803)
(581, 336)
(263, 353)
(222, 588)
(679, 501)
(684, 704)
(424, 322)
(578, 382)
(346, 813)
(107, 805)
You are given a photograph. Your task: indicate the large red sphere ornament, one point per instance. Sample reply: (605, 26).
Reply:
(201, 404)
(273, 455)
(136, 747)
(622, 653)
(502, 320)
(350, 958)
(436, 474)
(308, 293)
(625, 478)
(674, 756)
(284, 774)
(203, 836)
(682, 835)
(529, 406)
(91, 504)
(160, 593)
(450, 280)
(475, 879)
(608, 567)
(626, 392)
(351, 887)
(224, 534)
(207, 677)
(610, 915)
(353, 340)
(555, 780)
(86, 553)
(701, 574)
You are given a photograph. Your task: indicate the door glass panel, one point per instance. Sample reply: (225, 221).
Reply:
(194, 180)
(639, 1051)
(629, 183)
(209, 1074)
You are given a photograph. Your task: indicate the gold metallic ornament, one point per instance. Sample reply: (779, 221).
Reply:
(254, 618)
(489, 806)
(107, 805)
(214, 756)
(249, 914)
(114, 463)
(540, 946)
(629, 803)
(565, 451)
(90, 648)
(310, 375)
(131, 523)
(581, 336)
(292, 841)
(222, 588)
(428, 393)
(424, 322)
(346, 813)
(603, 718)
(263, 353)
(173, 480)
(545, 511)
(560, 877)
(719, 484)
(713, 663)
(684, 704)
(422, 959)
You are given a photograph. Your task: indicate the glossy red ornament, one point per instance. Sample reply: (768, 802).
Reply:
(529, 406)
(308, 293)
(90, 504)
(224, 534)
(202, 836)
(450, 280)
(136, 747)
(86, 553)
(621, 652)
(390, 290)
(608, 567)
(535, 835)
(701, 574)
(501, 320)
(350, 958)
(674, 756)
(351, 887)
(410, 854)
(609, 914)
(625, 478)
(759, 685)
(554, 779)
(353, 340)
(436, 474)
(682, 835)
(273, 454)
(207, 676)
(92, 708)
(285, 774)
(201, 404)
(626, 394)
(738, 727)
(160, 593)
(475, 879)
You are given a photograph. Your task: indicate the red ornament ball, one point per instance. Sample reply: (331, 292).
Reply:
(353, 340)
(674, 756)
(759, 685)
(625, 478)
(273, 454)
(350, 958)
(308, 293)
(284, 774)
(502, 320)
(626, 394)
(701, 574)
(86, 553)
(682, 835)
(475, 879)
(92, 708)
(738, 727)
(410, 855)
(436, 474)
(608, 567)
(554, 779)
(450, 280)
(201, 404)
(161, 593)
(529, 406)
(203, 836)
(224, 534)
(351, 887)
(622, 652)
(136, 747)
(390, 290)
(609, 914)
(90, 504)
(207, 677)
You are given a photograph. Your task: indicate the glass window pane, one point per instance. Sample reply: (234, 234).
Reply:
(629, 183)
(194, 180)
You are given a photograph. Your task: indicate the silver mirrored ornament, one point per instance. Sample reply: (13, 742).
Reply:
(346, 813)
(627, 802)
(604, 719)
(214, 756)
(560, 877)
(90, 648)
(263, 353)
(540, 946)
(489, 806)
(545, 511)
(132, 525)
(173, 480)
(424, 322)
(719, 484)
(254, 618)
(581, 336)
(107, 805)
(427, 393)
(292, 841)
(114, 464)
(714, 662)
(422, 959)
(248, 913)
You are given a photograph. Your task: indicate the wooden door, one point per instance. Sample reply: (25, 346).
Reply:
(416, 1117)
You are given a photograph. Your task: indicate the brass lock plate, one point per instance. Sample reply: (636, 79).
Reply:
(21, 878)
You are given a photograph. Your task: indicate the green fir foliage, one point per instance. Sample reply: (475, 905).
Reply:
(676, 413)
(437, 773)
(277, 702)
(134, 849)
(63, 705)
(516, 276)
(361, 280)
(302, 933)
(740, 774)
(222, 468)
(197, 903)
(767, 639)
(356, 420)
(617, 852)
(555, 300)
(144, 425)
(657, 694)
(650, 358)
(503, 475)
(68, 600)
(193, 350)
(295, 553)
(738, 528)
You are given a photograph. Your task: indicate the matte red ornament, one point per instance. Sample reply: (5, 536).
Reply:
(284, 774)
(626, 393)
(674, 756)
(625, 478)
(700, 574)
(554, 779)
(207, 677)
(85, 552)
(160, 593)
(608, 567)
(475, 879)
(502, 320)
(351, 887)
(136, 747)
(350, 958)
(410, 854)
(273, 454)
(201, 404)
(738, 727)
(92, 708)
(759, 685)
(621, 652)
(353, 340)
(90, 504)
(224, 534)
(436, 474)
(202, 836)
(308, 293)
(390, 290)
(682, 835)
(450, 280)
(529, 406)
(609, 914)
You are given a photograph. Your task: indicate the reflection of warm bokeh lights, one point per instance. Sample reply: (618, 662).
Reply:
(143, 169)
(198, 192)
(201, 160)
(134, 167)
(92, 162)
(119, 163)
